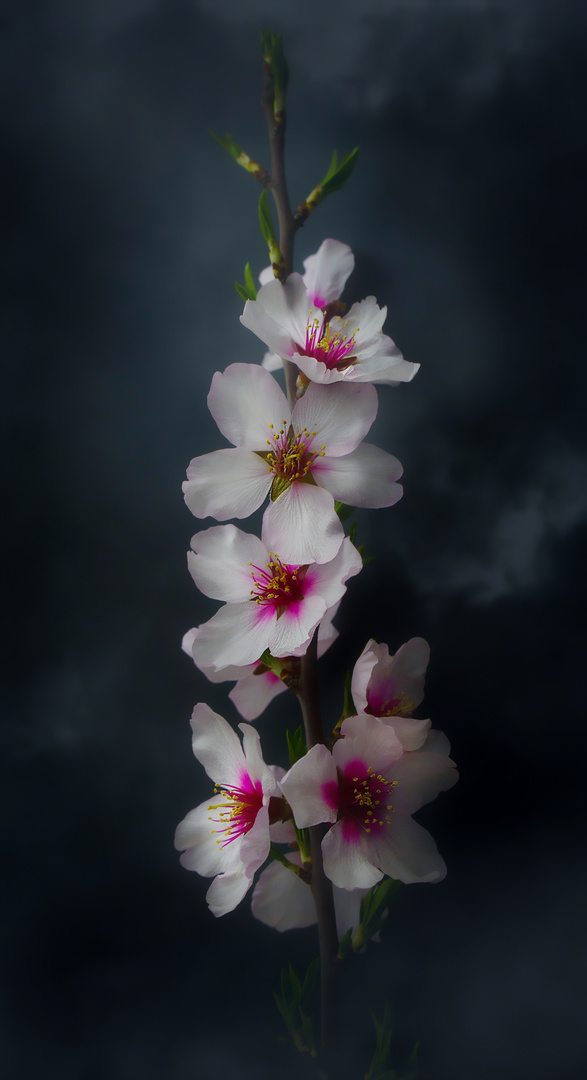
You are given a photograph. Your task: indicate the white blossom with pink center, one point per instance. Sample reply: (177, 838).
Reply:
(255, 684)
(368, 788)
(283, 900)
(305, 459)
(268, 603)
(227, 837)
(326, 350)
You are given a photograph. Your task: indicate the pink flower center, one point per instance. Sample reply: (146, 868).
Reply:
(289, 456)
(334, 350)
(277, 585)
(237, 814)
(364, 797)
(380, 705)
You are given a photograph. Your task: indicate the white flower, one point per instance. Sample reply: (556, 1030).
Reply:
(305, 459)
(268, 603)
(296, 327)
(368, 788)
(283, 900)
(255, 684)
(227, 837)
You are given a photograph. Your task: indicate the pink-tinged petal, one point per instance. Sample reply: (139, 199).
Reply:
(362, 673)
(227, 891)
(346, 862)
(405, 851)
(327, 271)
(327, 633)
(340, 415)
(364, 478)
(252, 694)
(303, 525)
(411, 733)
(409, 668)
(282, 900)
(291, 633)
(226, 484)
(225, 674)
(398, 678)
(221, 567)
(237, 634)
(272, 362)
(369, 741)
(256, 767)
(194, 837)
(317, 372)
(365, 320)
(311, 786)
(328, 579)
(381, 369)
(255, 843)
(420, 778)
(280, 314)
(244, 400)
(217, 746)
(437, 743)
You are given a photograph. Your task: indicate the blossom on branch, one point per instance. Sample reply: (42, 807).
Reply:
(255, 684)
(268, 603)
(326, 349)
(305, 459)
(283, 900)
(367, 788)
(227, 837)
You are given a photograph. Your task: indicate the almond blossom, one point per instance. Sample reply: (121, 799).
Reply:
(326, 349)
(227, 836)
(268, 603)
(255, 684)
(305, 459)
(283, 900)
(368, 787)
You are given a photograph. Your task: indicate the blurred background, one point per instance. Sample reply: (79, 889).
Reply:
(125, 226)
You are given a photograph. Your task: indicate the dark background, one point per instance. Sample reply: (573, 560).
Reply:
(125, 227)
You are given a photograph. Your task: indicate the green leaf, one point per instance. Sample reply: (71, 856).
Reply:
(345, 944)
(379, 1067)
(337, 175)
(228, 144)
(241, 291)
(294, 1004)
(265, 219)
(353, 532)
(343, 510)
(372, 911)
(296, 745)
(250, 283)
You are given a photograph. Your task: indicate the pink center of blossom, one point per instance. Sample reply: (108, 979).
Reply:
(364, 797)
(278, 584)
(237, 814)
(378, 704)
(332, 349)
(289, 456)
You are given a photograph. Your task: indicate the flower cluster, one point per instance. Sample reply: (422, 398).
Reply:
(381, 764)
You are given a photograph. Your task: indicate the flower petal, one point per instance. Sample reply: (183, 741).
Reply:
(227, 891)
(244, 400)
(280, 314)
(282, 900)
(221, 567)
(303, 525)
(310, 788)
(217, 746)
(226, 484)
(346, 861)
(236, 634)
(292, 631)
(256, 767)
(225, 674)
(405, 851)
(328, 579)
(364, 478)
(252, 694)
(367, 739)
(420, 777)
(194, 837)
(340, 415)
(327, 271)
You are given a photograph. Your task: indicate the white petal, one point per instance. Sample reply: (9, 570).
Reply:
(411, 733)
(272, 362)
(266, 275)
(227, 891)
(253, 694)
(341, 416)
(217, 746)
(311, 787)
(226, 484)
(327, 271)
(221, 567)
(237, 634)
(255, 843)
(280, 314)
(364, 478)
(362, 673)
(365, 320)
(194, 836)
(225, 674)
(292, 631)
(244, 400)
(327, 633)
(346, 862)
(256, 767)
(302, 525)
(327, 579)
(420, 777)
(405, 851)
(282, 900)
(368, 740)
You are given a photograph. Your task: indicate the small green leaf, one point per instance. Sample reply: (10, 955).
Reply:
(265, 218)
(337, 175)
(353, 532)
(296, 745)
(345, 944)
(250, 283)
(343, 510)
(241, 290)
